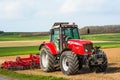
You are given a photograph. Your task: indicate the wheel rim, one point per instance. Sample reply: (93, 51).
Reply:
(44, 59)
(65, 63)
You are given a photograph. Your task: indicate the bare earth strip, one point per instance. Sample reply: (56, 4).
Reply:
(113, 72)
(21, 43)
(28, 43)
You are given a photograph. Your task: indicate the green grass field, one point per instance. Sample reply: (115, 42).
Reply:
(102, 37)
(9, 51)
(107, 44)
(17, 76)
(94, 37)
(18, 38)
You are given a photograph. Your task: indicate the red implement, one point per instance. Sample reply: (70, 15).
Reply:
(33, 61)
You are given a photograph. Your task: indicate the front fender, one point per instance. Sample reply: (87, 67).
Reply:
(50, 46)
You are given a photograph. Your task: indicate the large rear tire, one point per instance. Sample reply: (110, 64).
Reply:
(47, 60)
(69, 63)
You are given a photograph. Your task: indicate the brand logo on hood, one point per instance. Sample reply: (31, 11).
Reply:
(71, 42)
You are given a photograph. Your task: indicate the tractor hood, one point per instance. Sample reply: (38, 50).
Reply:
(79, 42)
(78, 46)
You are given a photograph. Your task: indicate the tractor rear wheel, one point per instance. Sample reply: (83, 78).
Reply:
(47, 60)
(69, 63)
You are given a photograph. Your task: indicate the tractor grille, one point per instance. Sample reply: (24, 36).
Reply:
(88, 47)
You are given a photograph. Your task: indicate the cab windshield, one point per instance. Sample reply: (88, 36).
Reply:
(71, 32)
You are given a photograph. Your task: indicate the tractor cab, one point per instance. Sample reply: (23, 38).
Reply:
(61, 33)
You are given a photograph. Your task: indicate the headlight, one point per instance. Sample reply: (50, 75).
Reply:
(86, 50)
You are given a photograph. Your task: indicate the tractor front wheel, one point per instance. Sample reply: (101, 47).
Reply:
(69, 63)
(47, 60)
(103, 66)
(102, 59)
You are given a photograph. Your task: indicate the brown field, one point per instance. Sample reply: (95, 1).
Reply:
(21, 43)
(113, 72)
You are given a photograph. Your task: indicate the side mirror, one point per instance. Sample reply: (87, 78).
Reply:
(97, 47)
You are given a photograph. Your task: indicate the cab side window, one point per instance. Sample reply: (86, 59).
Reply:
(55, 38)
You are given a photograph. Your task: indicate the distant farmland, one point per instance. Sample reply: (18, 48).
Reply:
(13, 36)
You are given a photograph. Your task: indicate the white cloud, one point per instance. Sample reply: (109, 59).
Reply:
(70, 6)
(12, 9)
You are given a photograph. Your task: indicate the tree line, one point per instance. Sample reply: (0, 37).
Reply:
(100, 29)
(1, 32)
(85, 30)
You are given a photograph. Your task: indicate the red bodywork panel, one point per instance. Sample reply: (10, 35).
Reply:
(51, 47)
(77, 46)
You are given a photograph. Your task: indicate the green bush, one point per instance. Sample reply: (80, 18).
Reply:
(1, 32)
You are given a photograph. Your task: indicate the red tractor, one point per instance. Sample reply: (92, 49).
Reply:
(70, 53)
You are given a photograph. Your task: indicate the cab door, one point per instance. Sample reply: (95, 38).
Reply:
(55, 38)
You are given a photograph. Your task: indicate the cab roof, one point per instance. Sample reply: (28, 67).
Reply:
(63, 24)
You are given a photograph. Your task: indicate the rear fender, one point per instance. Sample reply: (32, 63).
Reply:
(50, 46)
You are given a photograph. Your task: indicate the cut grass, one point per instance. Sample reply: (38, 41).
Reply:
(18, 76)
(108, 44)
(102, 37)
(18, 38)
(10, 51)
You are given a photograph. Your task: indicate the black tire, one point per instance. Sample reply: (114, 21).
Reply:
(92, 68)
(102, 67)
(72, 63)
(47, 66)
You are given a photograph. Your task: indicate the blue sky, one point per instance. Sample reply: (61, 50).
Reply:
(39, 15)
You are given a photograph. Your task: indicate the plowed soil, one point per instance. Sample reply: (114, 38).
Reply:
(113, 72)
(21, 43)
